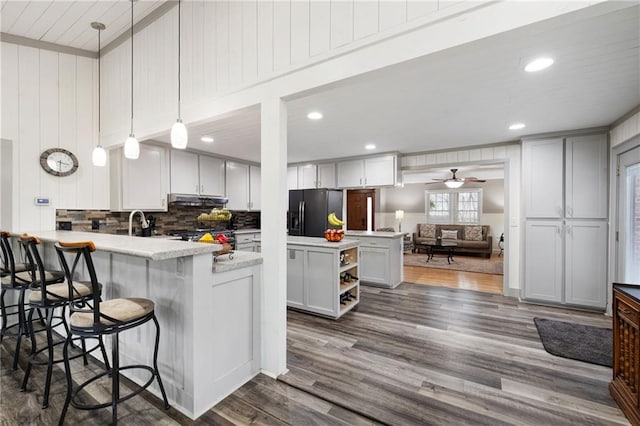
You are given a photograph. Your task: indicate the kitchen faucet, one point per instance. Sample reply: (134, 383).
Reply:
(143, 220)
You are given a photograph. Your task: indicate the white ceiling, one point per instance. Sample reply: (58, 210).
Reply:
(460, 97)
(68, 22)
(463, 96)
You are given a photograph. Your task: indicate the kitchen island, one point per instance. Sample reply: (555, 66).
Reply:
(322, 276)
(381, 257)
(209, 312)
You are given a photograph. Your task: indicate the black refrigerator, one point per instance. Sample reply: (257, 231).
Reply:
(309, 208)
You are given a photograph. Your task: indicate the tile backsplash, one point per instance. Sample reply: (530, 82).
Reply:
(177, 218)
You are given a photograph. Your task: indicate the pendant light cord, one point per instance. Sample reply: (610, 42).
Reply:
(179, 53)
(132, 67)
(99, 60)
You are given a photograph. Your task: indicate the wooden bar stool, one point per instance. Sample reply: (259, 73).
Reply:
(94, 318)
(14, 279)
(48, 293)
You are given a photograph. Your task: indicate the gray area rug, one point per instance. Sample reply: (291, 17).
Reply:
(460, 263)
(576, 341)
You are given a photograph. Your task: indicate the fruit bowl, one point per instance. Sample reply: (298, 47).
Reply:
(334, 235)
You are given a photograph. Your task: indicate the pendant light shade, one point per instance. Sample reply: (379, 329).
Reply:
(131, 145)
(99, 156)
(179, 135)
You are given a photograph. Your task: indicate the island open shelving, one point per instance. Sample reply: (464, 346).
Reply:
(322, 276)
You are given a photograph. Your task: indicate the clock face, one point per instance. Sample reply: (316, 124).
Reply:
(58, 162)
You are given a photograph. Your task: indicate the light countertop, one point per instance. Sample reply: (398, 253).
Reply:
(146, 247)
(322, 242)
(379, 234)
(236, 260)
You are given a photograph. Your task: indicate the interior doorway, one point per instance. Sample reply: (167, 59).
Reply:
(360, 208)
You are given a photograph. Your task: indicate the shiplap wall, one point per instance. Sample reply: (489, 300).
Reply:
(230, 45)
(49, 100)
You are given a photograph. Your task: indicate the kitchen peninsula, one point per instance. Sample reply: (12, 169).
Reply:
(209, 313)
(381, 257)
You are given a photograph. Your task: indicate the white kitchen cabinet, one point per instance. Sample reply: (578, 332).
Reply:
(543, 178)
(245, 240)
(586, 263)
(140, 184)
(326, 175)
(381, 257)
(196, 174)
(292, 177)
(237, 185)
(322, 278)
(255, 186)
(307, 176)
(543, 258)
(243, 185)
(372, 171)
(211, 175)
(586, 171)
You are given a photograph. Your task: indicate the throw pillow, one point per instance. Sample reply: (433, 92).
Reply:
(449, 234)
(427, 230)
(473, 233)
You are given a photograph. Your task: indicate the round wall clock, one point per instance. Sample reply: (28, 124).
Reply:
(58, 162)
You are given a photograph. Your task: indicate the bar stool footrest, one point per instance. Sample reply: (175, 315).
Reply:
(110, 403)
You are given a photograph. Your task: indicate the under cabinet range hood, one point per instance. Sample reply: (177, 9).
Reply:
(197, 200)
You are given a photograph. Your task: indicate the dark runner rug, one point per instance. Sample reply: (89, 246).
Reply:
(576, 341)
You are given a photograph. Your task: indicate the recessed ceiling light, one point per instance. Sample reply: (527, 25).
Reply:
(538, 64)
(315, 115)
(517, 126)
(207, 139)
(369, 146)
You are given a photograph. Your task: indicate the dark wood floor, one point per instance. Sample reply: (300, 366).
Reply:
(416, 354)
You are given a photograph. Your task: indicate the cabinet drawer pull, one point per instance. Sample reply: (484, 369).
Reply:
(625, 311)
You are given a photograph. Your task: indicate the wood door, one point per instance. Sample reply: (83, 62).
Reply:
(357, 209)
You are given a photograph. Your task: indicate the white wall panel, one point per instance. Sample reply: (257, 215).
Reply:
(365, 18)
(341, 23)
(210, 83)
(392, 13)
(625, 130)
(221, 28)
(320, 27)
(281, 35)
(235, 44)
(300, 25)
(49, 134)
(420, 8)
(249, 40)
(197, 45)
(265, 38)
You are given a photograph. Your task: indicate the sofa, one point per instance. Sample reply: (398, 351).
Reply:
(470, 239)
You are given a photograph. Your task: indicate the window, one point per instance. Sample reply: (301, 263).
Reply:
(454, 206)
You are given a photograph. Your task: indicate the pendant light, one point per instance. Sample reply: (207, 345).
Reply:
(99, 156)
(179, 134)
(131, 145)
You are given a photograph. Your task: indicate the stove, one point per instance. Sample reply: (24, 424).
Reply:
(196, 234)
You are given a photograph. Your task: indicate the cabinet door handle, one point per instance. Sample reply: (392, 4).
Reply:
(570, 211)
(196, 187)
(201, 188)
(625, 311)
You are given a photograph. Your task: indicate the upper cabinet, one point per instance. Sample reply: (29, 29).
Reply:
(292, 177)
(140, 184)
(326, 175)
(566, 178)
(196, 174)
(371, 171)
(308, 176)
(243, 184)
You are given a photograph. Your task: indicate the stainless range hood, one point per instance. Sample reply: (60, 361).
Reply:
(197, 200)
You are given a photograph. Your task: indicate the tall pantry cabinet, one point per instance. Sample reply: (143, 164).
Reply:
(565, 192)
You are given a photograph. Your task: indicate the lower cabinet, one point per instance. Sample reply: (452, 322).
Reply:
(565, 262)
(381, 258)
(624, 387)
(323, 280)
(245, 241)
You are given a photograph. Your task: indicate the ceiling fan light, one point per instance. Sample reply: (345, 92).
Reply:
(132, 148)
(454, 183)
(179, 135)
(99, 156)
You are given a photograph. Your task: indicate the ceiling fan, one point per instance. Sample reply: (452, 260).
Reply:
(456, 182)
